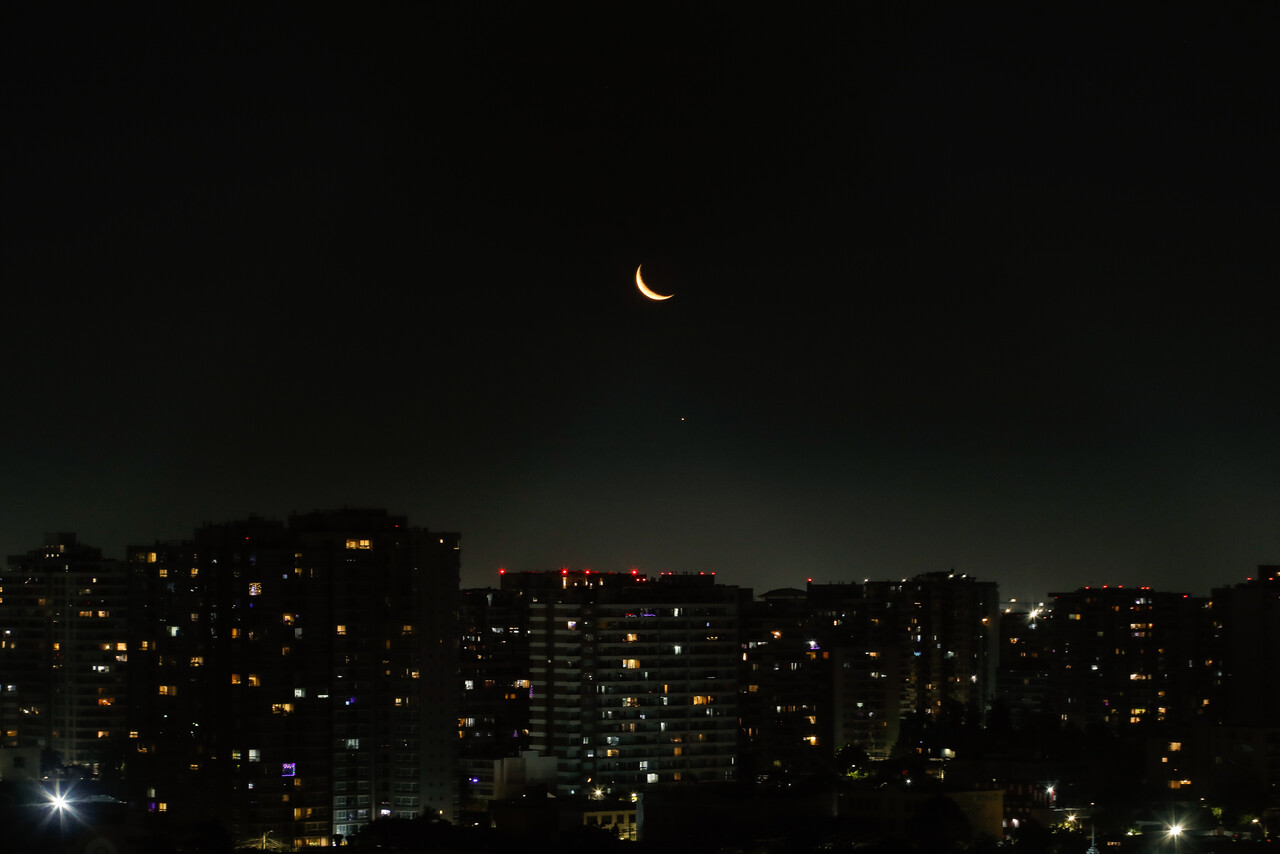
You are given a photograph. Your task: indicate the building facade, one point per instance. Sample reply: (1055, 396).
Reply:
(1128, 657)
(64, 653)
(924, 646)
(297, 680)
(634, 680)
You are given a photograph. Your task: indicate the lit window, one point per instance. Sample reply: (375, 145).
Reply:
(255, 588)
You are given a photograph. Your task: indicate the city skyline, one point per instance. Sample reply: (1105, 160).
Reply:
(977, 291)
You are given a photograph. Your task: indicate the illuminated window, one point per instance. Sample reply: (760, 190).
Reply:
(197, 660)
(168, 690)
(359, 544)
(702, 699)
(342, 630)
(254, 680)
(235, 678)
(631, 663)
(255, 588)
(1175, 746)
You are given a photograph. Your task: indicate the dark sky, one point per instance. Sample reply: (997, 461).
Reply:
(989, 291)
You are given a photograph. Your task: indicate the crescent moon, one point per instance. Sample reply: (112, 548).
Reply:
(644, 289)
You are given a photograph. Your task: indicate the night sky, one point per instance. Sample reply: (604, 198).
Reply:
(989, 290)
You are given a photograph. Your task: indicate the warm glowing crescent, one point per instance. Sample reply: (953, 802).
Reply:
(644, 289)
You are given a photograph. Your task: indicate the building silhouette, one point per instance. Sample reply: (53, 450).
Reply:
(786, 699)
(922, 646)
(297, 680)
(63, 653)
(1128, 657)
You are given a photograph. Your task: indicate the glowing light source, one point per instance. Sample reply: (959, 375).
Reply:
(644, 289)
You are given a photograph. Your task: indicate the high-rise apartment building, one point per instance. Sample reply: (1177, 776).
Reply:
(922, 645)
(785, 701)
(634, 679)
(63, 652)
(1246, 628)
(1128, 657)
(298, 680)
